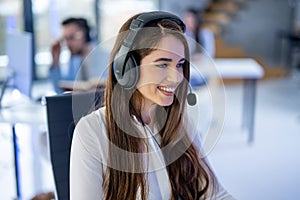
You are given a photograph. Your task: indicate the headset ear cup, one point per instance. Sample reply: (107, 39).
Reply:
(131, 73)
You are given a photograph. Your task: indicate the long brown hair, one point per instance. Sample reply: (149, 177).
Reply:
(190, 176)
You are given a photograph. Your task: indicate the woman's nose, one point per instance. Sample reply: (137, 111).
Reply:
(175, 75)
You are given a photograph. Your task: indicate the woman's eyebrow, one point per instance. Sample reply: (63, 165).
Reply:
(163, 59)
(168, 60)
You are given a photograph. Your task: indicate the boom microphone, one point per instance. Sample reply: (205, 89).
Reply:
(191, 97)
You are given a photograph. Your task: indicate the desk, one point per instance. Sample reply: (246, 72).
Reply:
(250, 71)
(238, 68)
(24, 112)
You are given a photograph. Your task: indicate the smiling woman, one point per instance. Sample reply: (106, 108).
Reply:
(161, 72)
(140, 140)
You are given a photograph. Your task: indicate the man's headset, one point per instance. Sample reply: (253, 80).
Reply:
(125, 66)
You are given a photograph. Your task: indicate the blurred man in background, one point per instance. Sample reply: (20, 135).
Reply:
(76, 37)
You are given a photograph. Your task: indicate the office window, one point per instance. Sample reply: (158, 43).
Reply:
(48, 15)
(115, 12)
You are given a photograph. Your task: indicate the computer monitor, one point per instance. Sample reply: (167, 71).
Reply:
(19, 69)
(19, 52)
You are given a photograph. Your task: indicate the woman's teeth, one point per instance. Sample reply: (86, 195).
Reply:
(167, 89)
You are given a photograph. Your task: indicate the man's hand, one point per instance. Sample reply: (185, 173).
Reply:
(55, 50)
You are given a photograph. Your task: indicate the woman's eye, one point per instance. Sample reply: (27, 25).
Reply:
(180, 65)
(162, 65)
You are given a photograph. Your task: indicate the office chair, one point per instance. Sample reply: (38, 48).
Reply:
(63, 112)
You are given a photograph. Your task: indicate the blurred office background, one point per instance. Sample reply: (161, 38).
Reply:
(266, 23)
(265, 30)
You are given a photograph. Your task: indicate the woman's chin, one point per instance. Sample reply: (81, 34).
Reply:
(166, 102)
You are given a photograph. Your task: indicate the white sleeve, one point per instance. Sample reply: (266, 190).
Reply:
(86, 171)
(222, 194)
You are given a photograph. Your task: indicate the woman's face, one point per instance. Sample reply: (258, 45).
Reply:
(161, 72)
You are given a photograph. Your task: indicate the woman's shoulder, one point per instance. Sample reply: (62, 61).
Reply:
(90, 134)
(94, 115)
(92, 122)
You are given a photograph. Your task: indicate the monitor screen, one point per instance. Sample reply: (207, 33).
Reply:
(19, 69)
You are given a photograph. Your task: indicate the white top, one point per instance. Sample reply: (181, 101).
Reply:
(89, 156)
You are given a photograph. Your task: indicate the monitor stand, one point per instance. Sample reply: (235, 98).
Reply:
(4, 86)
